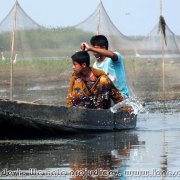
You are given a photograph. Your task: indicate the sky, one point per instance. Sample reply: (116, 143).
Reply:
(131, 17)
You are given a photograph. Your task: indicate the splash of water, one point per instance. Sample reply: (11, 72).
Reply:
(136, 105)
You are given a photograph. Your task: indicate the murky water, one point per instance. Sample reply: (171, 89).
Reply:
(46, 93)
(151, 150)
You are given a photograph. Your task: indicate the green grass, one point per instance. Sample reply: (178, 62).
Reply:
(31, 71)
(35, 70)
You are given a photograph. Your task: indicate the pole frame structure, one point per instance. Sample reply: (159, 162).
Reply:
(162, 51)
(99, 18)
(12, 48)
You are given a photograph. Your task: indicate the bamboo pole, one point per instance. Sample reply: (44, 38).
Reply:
(12, 48)
(99, 16)
(162, 51)
(163, 66)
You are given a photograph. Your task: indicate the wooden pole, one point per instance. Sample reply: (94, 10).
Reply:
(162, 51)
(99, 16)
(12, 48)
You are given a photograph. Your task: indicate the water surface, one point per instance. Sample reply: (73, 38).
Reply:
(147, 151)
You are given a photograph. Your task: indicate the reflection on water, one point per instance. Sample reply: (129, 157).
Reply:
(152, 148)
(107, 151)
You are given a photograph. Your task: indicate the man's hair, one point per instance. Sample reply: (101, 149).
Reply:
(81, 57)
(99, 40)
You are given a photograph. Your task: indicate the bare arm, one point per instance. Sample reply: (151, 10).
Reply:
(102, 51)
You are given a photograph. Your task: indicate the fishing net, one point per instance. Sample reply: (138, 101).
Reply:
(157, 63)
(41, 65)
(37, 66)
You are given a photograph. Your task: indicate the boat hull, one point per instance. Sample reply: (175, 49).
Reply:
(58, 119)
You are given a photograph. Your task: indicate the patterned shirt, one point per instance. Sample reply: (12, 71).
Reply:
(97, 96)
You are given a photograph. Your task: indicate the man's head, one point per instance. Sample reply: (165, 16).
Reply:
(81, 60)
(100, 41)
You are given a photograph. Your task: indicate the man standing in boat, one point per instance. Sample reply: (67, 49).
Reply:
(90, 87)
(110, 62)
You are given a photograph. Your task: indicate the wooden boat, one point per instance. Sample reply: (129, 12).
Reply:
(24, 116)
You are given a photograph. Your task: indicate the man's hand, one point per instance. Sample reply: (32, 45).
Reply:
(84, 46)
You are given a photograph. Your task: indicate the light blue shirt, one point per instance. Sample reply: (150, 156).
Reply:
(115, 71)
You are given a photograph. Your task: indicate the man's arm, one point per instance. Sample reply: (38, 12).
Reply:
(102, 51)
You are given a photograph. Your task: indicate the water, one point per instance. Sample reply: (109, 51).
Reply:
(153, 147)
(136, 106)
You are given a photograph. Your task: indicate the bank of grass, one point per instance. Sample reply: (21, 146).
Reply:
(35, 71)
(60, 69)
(32, 71)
